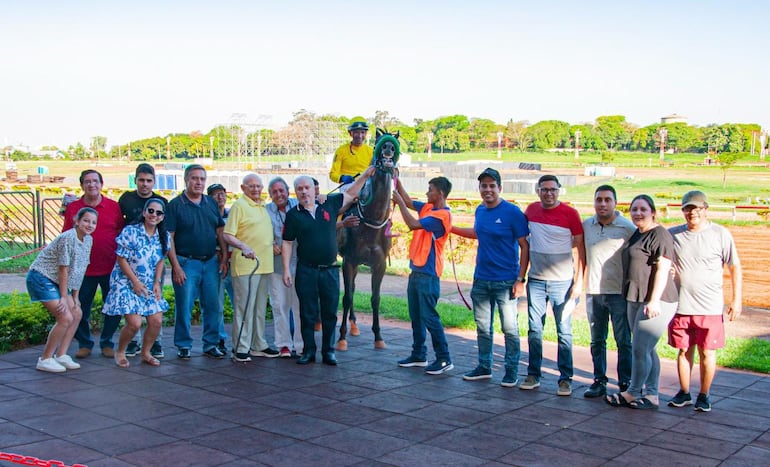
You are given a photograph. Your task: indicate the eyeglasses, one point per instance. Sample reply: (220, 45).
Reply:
(157, 212)
(253, 187)
(549, 190)
(691, 208)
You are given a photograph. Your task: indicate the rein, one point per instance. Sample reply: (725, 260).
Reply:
(454, 272)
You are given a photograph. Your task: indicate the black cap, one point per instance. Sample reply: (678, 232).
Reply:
(215, 187)
(490, 172)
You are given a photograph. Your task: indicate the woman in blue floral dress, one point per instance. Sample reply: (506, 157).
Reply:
(135, 282)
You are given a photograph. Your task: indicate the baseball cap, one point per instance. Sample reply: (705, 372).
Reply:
(695, 198)
(217, 186)
(490, 172)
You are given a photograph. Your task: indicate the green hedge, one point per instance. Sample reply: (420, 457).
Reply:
(23, 323)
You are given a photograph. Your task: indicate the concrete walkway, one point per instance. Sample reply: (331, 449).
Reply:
(366, 411)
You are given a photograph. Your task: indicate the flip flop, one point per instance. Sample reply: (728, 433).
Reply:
(152, 361)
(642, 404)
(616, 400)
(121, 362)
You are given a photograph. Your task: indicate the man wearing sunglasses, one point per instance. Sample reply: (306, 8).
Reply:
(131, 205)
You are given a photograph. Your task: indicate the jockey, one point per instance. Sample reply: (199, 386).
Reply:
(352, 158)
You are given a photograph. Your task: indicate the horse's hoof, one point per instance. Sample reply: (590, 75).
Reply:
(380, 345)
(342, 345)
(354, 329)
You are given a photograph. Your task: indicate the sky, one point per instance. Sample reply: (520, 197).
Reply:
(70, 70)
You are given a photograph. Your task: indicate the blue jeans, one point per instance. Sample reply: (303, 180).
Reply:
(110, 323)
(422, 294)
(202, 281)
(227, 286)
(539, 293)
(600, 309)
(485, 296)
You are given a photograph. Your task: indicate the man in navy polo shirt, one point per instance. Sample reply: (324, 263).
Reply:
(314, 226)
(196, 226)
(498, 280)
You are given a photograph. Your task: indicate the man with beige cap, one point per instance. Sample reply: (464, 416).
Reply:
(702, 250)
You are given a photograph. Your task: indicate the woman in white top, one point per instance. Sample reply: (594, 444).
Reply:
(54, 279)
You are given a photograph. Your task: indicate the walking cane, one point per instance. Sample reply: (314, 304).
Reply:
(248, 299)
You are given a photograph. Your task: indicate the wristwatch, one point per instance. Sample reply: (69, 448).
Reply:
(523, 280)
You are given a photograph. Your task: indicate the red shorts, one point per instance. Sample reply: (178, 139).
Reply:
(705, 331)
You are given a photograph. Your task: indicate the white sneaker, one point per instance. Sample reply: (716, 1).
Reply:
(67, 362)
(50, 365)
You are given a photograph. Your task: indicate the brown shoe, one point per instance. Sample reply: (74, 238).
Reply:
(108, 352)
(83, 352)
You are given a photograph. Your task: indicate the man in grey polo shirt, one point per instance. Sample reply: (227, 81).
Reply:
(605, 234)
(703, 249)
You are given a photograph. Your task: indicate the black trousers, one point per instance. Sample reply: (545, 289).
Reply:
(318, 291)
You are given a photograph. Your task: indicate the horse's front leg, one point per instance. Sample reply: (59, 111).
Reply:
(349, 272)
(378, 273)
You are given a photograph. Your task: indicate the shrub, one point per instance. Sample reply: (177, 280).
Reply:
(23, 323)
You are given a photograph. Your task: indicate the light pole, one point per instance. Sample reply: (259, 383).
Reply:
(430, 144)
(762, 150)
(663, 134)
(211, 148)
(499, 144)
(168, 148)
(578, 133)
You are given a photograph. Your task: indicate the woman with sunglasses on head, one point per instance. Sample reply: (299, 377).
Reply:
(135, 283)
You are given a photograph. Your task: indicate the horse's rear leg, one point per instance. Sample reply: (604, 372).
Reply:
(378, 273)
(349, 278)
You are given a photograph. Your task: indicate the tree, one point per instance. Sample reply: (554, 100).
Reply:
(726, 161)
(681, 137)
(549, 134)
(481, 132)
(614, 131)
(516, 133)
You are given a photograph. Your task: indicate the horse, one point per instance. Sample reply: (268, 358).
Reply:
(369, 242)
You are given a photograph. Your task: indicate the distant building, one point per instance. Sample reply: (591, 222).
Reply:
(673, 118)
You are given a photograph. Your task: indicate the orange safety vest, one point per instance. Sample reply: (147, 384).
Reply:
(422, 240)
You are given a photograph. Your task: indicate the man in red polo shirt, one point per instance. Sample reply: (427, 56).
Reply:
(103, 257)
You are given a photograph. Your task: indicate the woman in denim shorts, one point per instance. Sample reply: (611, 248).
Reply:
(54, 279)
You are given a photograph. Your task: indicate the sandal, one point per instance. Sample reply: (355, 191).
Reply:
(152, 361)
(616, 400)
(643, 404)
(121, 362)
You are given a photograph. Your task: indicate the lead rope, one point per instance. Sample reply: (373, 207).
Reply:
(454, 271)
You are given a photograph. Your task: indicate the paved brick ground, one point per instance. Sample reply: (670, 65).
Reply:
(366, 411)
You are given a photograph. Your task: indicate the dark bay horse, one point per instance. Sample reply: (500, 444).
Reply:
(369, 242)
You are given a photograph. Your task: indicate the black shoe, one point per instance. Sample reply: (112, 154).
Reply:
(183, 354)
(241, 357)
(680, 399)
(703, 403)
(214, 353)
(330, 359)
(157, 351)
(623, 386)
(598, 389)
(221, 346)
(133, 349)
(306, 358)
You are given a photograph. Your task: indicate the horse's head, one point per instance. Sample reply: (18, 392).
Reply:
(386, 150)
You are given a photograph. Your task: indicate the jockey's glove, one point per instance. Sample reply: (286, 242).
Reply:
(347, 179)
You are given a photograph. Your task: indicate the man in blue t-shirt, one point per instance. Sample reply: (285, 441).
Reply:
(502, 259)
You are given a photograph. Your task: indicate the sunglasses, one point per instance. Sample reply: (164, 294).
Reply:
(157, 212)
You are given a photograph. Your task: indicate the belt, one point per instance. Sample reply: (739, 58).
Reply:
(199, 258)
(320, 266)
